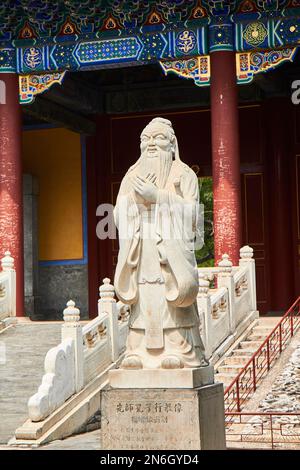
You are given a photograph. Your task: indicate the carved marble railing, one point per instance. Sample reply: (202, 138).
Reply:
(86, 352)
(104, 337)
(7, 287)
(223, 308)
(83, 354)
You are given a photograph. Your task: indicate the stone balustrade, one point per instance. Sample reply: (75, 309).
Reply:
(86, 352)
(7, 287)
(83, 354)
(226, 309)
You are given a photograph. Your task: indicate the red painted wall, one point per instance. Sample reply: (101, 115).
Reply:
(116, 147)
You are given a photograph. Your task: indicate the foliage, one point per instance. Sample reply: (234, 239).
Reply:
(205, 256)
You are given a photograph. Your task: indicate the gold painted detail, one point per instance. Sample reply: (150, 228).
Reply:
(186, 42)
(248, 64)
(255, 33)
(197, 68)
(32, 85)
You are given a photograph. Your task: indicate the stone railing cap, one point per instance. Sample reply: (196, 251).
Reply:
(71, 313)
(7, 262)
(225, 262)
(106, 289)
(246, 252)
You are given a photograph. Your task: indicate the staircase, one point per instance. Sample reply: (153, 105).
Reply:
(26, 345)
(237, 357)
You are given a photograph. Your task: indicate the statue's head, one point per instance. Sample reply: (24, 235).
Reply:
(158, 148)
(158, 135)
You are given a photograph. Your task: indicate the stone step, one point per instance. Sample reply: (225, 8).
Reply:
(245, 352)
(262, 329)
(230, 369)
(257, 336)
(226, 379)
(250, 344)
(236, 359)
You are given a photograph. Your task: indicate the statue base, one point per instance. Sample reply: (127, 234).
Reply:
(163, 419)
(161, 378)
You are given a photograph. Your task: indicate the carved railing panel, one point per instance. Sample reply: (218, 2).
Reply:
(86, 352)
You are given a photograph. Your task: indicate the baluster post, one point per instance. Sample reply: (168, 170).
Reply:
(7, 265)
(292, 323)
(204, 307)
(268, 354)
(280, 337)
(71, 328)
(254, 374)
(246, 258)
(238, 404)
(225, 279)
(107, 304)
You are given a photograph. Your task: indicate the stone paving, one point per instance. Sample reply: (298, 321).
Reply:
(279, 392)
(265, 386)
(26, 345)
(86, 441)
(285, 393)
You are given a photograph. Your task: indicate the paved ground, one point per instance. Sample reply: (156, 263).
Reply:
(266, 384)
(26, 345)
(264, 388)
(87, 441)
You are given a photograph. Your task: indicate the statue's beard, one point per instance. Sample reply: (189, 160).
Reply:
(160, 166)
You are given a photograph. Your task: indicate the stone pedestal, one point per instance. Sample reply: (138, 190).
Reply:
(161, 378)
(167, 419)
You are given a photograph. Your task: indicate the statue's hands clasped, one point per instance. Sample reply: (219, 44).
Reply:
(146, 187)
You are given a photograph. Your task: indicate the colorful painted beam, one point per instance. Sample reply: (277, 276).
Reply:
(248, 64)
(68, 48)
(32, 85)
(43, 20)
(96, 54)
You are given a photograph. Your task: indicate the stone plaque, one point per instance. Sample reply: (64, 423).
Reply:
(162, 419)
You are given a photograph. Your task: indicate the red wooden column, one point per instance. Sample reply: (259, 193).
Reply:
(11, 197)
(225, 156)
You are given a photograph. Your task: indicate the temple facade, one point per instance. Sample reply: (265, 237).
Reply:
(78, 83)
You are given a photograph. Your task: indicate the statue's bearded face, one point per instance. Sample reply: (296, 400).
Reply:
(155, 138)
(156, 152)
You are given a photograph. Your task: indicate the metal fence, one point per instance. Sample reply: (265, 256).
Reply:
(245, 384)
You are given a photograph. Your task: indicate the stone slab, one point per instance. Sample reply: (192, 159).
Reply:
(166, 419)
(26, 345)
(161, 378)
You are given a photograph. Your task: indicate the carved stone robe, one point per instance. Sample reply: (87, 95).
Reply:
(156, 271)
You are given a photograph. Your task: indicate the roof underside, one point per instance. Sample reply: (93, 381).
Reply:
(23, 19)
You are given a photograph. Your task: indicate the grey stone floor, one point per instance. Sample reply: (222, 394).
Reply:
(86, 441)
(26, 345)
(266, 384)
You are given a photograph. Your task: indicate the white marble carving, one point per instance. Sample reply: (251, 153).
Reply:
(63, 368)
(156, 274)
(7, 287)
(58, 383)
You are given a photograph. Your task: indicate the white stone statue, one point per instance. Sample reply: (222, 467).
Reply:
(156, 274)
